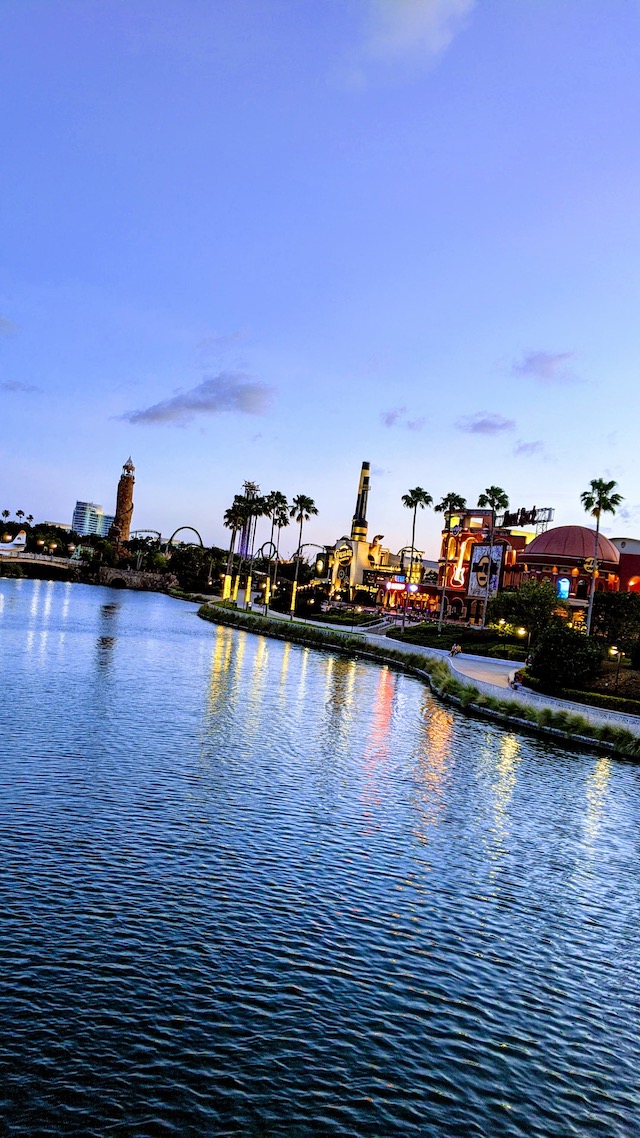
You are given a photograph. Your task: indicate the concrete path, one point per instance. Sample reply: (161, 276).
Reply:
(483, 669)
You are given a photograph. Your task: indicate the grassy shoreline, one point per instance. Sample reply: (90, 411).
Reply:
(571, 730)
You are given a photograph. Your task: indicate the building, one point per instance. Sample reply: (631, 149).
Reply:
(564, 556)
(121, 524)
(88, 518)
(629, 565)
(355, 567)
(477, 558)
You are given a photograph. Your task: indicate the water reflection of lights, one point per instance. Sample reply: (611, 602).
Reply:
(35, 599)
(503, 777)
(286, 654)
(596, 791)
(66, 600)
(434, 766)
(377, 751)
(302, 684)
(219, 675)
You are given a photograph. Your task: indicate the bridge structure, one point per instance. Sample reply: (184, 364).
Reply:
(20, 555)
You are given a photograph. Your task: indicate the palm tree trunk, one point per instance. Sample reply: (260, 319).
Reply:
(488, 585)
(267, 586)
(276, 561)
(444, 580)
(247, 589)
(408, 582)
(226, 585)
(295, 579)
(593, 575)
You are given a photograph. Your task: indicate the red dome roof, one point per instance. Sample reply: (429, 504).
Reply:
(570, 543)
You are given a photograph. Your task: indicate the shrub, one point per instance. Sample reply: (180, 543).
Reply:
(564, 657)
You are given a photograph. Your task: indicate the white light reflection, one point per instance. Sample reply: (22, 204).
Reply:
(66, 600)
(35, 599)
(503, 773)
(596, 793)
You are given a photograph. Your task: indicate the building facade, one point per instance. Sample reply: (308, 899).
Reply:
(88, 517)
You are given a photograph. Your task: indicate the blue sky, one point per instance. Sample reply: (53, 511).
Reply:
(267, 239)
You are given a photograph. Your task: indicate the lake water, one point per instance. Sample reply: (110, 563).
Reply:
(251, 889)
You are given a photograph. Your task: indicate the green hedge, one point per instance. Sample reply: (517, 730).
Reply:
(601, 699)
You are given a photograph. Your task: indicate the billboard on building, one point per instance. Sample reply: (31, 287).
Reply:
(484, 556)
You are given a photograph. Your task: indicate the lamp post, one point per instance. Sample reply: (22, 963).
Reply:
(617, 654)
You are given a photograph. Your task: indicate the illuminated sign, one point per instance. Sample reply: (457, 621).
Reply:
(563, 586)
(484, 570)
(344, 554)
(534, 517)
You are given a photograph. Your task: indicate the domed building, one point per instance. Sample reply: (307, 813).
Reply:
(564, 555)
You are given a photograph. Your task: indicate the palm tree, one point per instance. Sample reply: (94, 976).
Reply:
(20, 514)
(412, 499)
(450, 504)
(6, 514)
(257, 509)
(275, 504)
(302, 508)
(30, 518)
(598, 499)
(497, 499)
(233, 519)
(281, 518)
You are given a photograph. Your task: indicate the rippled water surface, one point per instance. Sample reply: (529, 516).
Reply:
(251, 889)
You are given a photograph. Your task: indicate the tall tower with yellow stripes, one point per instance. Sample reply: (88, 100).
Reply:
(359, 520)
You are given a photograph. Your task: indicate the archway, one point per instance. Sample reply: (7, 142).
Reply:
(634, 585)
(179, 530)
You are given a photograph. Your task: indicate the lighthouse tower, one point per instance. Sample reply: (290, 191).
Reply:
(121, 526)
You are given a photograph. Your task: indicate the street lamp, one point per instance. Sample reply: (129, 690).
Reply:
(617, 654)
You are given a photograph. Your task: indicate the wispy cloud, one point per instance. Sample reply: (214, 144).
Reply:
(7, 327)
(547, 367)
(391, 418)
(15, 385)
(227, 391)
(629, 513)
(413, 29)
(529, 449)
(395, 417)
(484, 423)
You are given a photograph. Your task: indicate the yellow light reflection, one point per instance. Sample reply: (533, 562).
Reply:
(435, 763)
(220, 661)
(504, 775)
(377, 750)
(286, 654)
